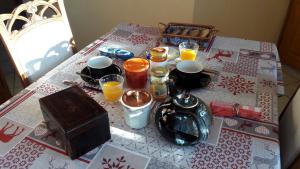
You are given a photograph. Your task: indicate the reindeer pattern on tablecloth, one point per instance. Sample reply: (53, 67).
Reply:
(221, 53)
(5, 137)
(270, 162)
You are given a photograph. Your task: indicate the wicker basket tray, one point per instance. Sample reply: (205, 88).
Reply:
(175, 33)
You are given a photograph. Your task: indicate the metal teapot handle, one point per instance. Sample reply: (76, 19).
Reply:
(172, 87)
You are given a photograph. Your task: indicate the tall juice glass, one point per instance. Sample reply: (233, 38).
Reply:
(188, 50)
(136, 72)
(112, 87)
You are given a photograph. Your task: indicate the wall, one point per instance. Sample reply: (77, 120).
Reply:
(90, 19)
(252, 19)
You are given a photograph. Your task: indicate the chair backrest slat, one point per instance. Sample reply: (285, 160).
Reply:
(40, 43)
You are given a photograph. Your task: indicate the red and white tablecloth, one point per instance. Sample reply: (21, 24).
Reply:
(250, 74)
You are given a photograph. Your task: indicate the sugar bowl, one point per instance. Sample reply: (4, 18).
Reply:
(137, 106)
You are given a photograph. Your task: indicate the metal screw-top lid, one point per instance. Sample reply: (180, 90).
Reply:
(185, 100)
(136, 98)
(136, 65)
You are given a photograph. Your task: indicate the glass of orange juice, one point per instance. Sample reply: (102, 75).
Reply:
(188, 50)
(112, 87)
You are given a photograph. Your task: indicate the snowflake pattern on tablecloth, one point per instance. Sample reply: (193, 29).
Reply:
(121, 33)
(211, 85)
(47, 88)
(137, 39)
(236, 84)
(116, 39)
(267, 83)
(148, 30)
(244, 66)
(128, 27)
(233, 151)
(22, 156)
(265, 102)
(156, 163)
(266, 47)
(119, 163)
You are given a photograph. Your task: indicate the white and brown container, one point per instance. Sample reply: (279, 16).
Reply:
(137, 107)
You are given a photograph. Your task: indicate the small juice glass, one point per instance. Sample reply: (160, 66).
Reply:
(112, 87)
(188, 50)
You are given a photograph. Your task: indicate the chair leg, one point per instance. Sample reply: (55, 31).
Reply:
(4, 90)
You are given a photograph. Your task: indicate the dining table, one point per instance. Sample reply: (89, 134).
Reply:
(249, 74)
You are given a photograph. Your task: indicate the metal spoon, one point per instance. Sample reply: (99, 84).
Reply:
(68, 82)
(86, 76)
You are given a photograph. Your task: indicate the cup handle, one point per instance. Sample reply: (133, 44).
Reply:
(119, 69)
(90, 71)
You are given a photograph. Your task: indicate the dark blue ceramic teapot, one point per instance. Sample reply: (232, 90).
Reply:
(183, 119)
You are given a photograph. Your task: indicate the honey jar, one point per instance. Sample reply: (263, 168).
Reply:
(158, 56)
(158, 82)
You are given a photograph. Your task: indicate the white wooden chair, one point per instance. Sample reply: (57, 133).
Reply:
(289, 132)
(42, 42)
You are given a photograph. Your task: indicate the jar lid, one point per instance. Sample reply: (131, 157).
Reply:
(136, 65)
(160, 71)
(158, 51)
(136, 98)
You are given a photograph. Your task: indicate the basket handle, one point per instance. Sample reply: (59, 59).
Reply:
(161, 27)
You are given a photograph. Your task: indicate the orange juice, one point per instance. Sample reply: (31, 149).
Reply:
(112, 90)
(188, 54)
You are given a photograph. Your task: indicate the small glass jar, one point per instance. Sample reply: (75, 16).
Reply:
(158, 56)
(158, 82)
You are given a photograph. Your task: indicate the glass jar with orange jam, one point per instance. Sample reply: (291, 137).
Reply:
(136, 72)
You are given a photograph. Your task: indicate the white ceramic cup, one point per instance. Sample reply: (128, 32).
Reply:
(189, 66)
(99, 66)
(137, 117)
(99, 62)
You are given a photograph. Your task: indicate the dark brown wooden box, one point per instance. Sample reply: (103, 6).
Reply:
(80, 122)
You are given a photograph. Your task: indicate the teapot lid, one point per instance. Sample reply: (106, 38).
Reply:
(185, 100)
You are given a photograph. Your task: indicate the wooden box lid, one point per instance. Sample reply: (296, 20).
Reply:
(72, 110)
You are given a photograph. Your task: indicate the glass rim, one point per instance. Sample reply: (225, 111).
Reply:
(117, 75)
(127, 62)
(183, 44)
